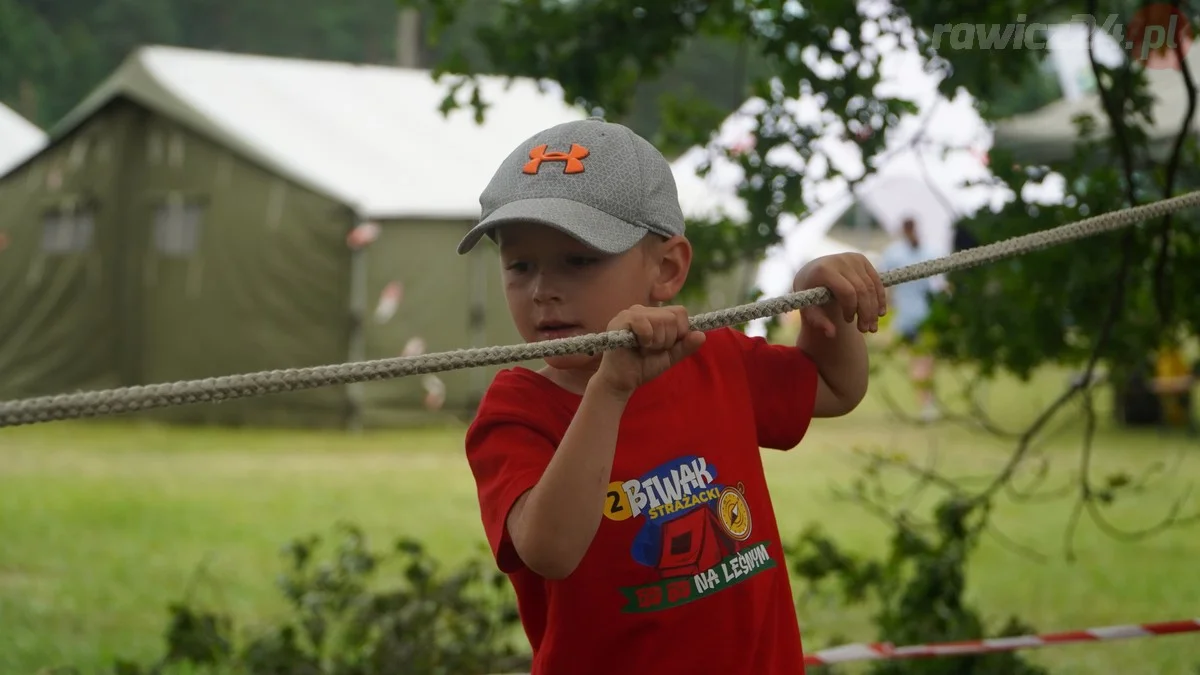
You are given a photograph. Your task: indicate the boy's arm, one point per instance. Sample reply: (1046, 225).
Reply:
(832, 334)
(842, 366)
(553, 524)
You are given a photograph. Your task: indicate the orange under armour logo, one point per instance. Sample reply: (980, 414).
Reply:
(572, 157)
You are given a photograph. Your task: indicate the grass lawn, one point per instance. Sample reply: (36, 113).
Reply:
(104, 523)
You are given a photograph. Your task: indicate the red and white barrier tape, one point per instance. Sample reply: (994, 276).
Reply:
(877, 652)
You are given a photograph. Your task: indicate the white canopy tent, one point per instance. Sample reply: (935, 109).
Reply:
(926, 171)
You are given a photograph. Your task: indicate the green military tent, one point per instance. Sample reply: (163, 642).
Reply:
(204, 213)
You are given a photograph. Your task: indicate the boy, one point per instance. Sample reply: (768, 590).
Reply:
(623, 493)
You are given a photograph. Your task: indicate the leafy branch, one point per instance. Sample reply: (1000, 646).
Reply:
(1078, 306)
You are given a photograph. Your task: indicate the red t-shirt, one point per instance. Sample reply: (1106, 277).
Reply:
(686, 573)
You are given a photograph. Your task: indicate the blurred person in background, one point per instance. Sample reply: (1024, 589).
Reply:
(910, 305)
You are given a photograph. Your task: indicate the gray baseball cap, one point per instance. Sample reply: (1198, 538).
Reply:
(597, 181)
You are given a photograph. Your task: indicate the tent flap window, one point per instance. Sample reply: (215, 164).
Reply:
(177, 228)
(67, 230)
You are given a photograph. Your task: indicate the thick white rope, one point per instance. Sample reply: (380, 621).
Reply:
(128, 399)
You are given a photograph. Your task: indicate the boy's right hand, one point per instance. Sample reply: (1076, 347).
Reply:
(664, 339)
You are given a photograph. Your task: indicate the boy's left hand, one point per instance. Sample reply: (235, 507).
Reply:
(856, 289)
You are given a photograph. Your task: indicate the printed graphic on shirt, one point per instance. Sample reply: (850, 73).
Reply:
(694, 533)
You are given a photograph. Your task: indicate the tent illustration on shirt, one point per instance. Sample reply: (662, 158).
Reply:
(693, 534)
(692, 540)
(692, 543)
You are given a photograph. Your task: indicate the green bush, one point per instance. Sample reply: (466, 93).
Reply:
(342, 622)
(918, 591)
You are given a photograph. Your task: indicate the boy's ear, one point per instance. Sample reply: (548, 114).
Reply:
(673, 258)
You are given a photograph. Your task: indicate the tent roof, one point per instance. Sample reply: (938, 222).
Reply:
(1048, 134)
(371, 137)
(19, 138)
